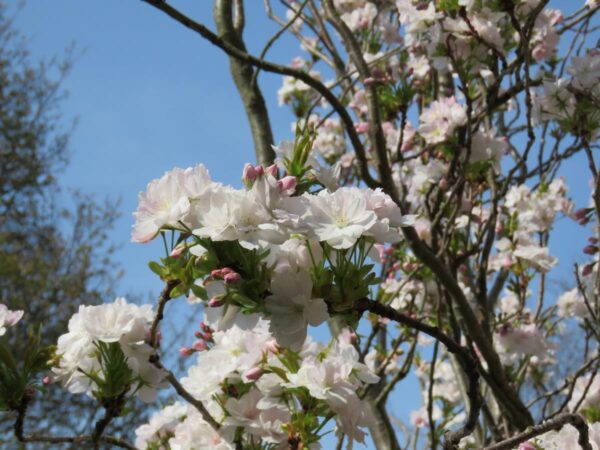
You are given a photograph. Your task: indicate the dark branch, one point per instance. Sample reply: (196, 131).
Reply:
(462, 353)
(282, 70)
(243, 76)
(555, 424)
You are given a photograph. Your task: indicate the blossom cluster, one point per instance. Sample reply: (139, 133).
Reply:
(81, 368)
(304, 240)
(247, 380)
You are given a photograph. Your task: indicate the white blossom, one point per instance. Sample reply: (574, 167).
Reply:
(8, 318)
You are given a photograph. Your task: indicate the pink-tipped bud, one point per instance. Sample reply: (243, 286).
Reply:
(408, 266)
(206, 328)
(253, 373)
(506, 262)
(248, 174)
(582, 213)
(216, 273)
(287, 185)
(369, 81)
(352, 337)
(526, 446)
(593, 240)
(378, 73)
(199, 346)
(198, 334)
(232, 278)
(185, 352)
(226, 270)
(272, 346)
(361, 127)
(46, 380)
(215, 302)
(260, 171)
(587, 269)
(590, 249)
(499, 227)
(272, 170)
(177, 251)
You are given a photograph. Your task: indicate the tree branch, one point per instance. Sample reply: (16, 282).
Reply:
(267, 66)
(463, 356)
(187, 396)
(243, 73)
(555, 424)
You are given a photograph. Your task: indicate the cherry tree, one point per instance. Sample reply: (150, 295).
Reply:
(410, 212)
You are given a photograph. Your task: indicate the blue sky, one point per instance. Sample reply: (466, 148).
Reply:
(150, 95)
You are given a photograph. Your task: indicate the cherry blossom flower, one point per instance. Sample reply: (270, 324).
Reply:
(8, 318)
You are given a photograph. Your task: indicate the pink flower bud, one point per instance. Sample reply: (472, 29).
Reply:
(199, 346)
(380, 251)
(272, 170)
(177, 251)
(232, 278)
(369, 81)
(248, 174)
(590, 249)
(185, 352)
(287, 185)
(46, 380)
(499, 227)
(226, 270)
(352, 337)
(587, 269)
(206, 328)
(198, 334)
(526, 446)
(361, 127)
(272, 346)
(216, 273)
(259, 171)
(253, 373)
(593, 240)
(506, 262)
(215, 302)
(407, 266)
(581, 214)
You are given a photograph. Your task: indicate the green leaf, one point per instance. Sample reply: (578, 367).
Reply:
(156, 268)
(7, 358)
